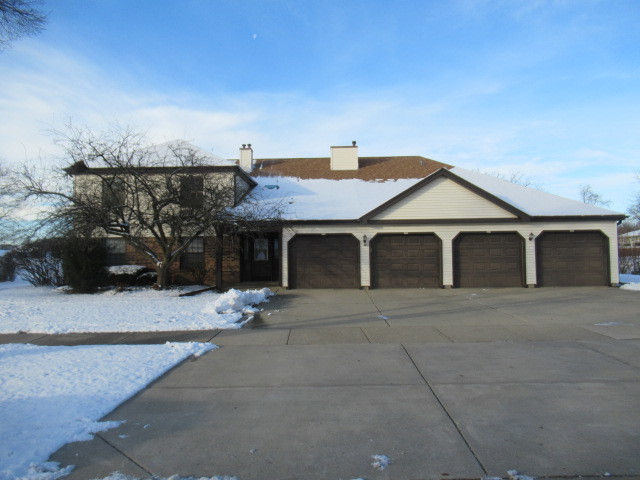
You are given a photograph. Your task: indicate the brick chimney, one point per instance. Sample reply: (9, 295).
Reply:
(344, 158)
(246, 157)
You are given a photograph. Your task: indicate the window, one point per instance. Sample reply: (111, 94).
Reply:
(113, 193)
(260, 249)
(116, 251)
(191, 192)
(193, 256)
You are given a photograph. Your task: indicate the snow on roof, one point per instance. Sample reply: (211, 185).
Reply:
(166, 149)
(635, 233)
(529, 200)
(350, 199)
(323, 199)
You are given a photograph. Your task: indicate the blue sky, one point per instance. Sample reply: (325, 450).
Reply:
(550, 89)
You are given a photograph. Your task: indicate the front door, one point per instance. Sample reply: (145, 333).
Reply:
(261, 258)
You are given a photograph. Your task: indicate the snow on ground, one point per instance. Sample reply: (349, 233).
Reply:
(50, 310)
(18, 282)
(632, 282)
(51, 396)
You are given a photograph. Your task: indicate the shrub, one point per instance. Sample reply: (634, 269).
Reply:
(7, 268)
(83, 263)
(40, 262)
(130, 275)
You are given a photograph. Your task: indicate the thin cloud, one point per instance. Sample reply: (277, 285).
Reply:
(46, 87)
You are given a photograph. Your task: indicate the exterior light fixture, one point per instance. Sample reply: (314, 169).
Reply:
(364, 240)
(531, 237)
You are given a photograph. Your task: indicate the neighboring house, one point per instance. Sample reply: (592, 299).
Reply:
(410, 222)
(629, 239)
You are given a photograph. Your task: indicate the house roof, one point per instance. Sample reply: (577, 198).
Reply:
(635, 233)
(370, 168)
(160, 156)
(309, 199)
(208, 162)
(355, 199)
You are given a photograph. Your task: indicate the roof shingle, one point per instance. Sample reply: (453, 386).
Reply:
(370, 168)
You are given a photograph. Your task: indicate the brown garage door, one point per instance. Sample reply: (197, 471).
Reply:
(488, 260)
(405, 261)
(324, 261)
(572, 259)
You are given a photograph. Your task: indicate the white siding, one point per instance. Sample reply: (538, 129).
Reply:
(447, 233)
(440, 199)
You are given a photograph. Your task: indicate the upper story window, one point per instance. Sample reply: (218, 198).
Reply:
(113, 192)
(191, 191)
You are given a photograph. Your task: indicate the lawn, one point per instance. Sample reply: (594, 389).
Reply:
(24, 308)
(51, 396)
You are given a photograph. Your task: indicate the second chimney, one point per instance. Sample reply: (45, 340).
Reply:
(344, 158)
(246, 157)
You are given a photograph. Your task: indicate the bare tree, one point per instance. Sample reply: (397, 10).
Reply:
(19, 18)
(516, 177)
(9, 204)
(634, 208)
(157, 199)
(590, 197)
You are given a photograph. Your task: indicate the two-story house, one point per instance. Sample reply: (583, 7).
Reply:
(629, 239)
(405, 222)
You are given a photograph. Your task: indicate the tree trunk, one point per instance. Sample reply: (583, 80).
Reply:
(162, 281)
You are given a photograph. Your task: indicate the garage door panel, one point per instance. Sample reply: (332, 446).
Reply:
(488, 260)
(405, 261)
(324, 261)
(572, 259)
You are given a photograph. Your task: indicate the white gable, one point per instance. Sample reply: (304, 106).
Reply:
(443, 199)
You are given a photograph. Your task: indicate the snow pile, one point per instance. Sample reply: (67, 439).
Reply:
(380, 462)
(514, 475)
(631, 286)
(125, 269)
(239, 301)
(49, 310)
(51, 396)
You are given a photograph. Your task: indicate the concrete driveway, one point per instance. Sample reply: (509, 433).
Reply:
(447, 383)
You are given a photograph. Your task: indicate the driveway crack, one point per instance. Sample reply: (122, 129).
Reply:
(124, 454)
(447, 413)
(382, 316)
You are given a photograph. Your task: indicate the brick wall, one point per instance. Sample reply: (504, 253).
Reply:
(230, 262)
